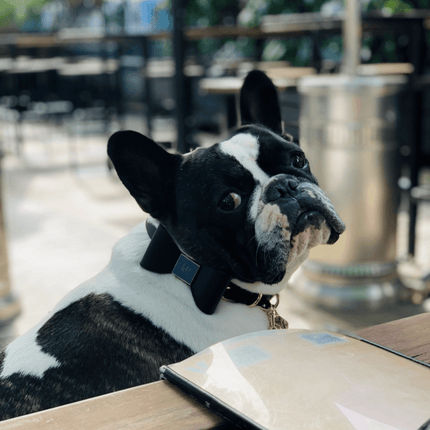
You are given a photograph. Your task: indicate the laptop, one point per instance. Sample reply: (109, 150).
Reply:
(301, 379)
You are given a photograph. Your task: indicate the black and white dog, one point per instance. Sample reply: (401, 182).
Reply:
(234, 220)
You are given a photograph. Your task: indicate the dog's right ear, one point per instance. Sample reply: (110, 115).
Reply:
(259, 102)
(146, 170)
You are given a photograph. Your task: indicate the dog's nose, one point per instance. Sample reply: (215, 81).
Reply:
(281, 188)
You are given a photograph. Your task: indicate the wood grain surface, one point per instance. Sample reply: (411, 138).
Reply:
(410, 336)
(159, 405)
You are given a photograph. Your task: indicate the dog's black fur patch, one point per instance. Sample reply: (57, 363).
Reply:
(102, 347)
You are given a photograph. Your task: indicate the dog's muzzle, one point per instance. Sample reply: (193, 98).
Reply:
(304, 204)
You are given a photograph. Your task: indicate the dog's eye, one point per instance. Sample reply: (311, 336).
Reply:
(299, 161)
(230, 202)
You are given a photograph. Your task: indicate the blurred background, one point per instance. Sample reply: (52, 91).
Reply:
(353, 81)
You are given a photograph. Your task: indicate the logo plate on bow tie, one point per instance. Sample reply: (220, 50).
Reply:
(185, 269)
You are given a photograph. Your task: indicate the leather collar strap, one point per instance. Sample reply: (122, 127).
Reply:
(233, 293)
(208, 286)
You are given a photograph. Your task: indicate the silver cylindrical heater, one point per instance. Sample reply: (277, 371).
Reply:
(348, 130)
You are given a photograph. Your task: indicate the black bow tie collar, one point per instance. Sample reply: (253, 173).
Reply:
(208, 285)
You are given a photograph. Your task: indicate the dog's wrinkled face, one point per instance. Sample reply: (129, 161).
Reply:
(251, 206)
(248, 206)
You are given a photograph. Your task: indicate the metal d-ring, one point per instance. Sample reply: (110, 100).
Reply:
(277, 301)
(257, 301)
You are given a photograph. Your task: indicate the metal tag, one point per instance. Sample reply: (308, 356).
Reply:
(276, 322)
(185, 269)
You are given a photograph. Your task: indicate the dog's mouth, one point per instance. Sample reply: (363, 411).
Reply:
(319, 220)
(315, 209)
(286, 229)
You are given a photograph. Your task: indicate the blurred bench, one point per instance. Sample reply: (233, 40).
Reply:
(161, 405)
(386, 69)
(283, 78)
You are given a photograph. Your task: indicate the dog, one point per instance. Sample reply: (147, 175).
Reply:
(228, 226)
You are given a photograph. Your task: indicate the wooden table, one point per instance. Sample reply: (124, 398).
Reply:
(410, 336)
(161, 405)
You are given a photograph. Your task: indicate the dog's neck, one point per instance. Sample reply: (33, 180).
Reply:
(208, 285)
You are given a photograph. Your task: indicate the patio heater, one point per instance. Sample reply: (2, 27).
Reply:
(348, 126)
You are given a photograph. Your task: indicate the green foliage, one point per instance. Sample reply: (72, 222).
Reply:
(207, 12)
(390, 6)
(208, 46)
(423, 4)
(6, 13)
(20, 11)
(204, 12)
(395, 6)
(254, 10)
(298, 50)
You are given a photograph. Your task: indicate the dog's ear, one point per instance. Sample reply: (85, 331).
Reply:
(259, 102)
(146, 170)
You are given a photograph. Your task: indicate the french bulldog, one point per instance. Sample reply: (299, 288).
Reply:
(232, 221)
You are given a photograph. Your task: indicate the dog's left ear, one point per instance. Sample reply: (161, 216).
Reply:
(259, 103)
(146, 170)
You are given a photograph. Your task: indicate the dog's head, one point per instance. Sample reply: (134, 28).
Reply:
(248, 206)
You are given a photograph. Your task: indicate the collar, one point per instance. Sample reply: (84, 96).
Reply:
(208, 285)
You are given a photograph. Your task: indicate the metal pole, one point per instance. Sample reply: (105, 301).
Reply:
(178, 11)
(415, 99)
(148, 94)
(352, 37)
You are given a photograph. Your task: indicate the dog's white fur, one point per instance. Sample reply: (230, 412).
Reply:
(18, 352)
(165, 300)
(245, 148)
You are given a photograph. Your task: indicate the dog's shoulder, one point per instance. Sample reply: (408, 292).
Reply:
(92, 346)
(98, 339)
